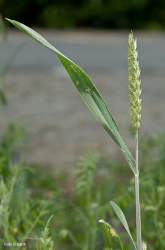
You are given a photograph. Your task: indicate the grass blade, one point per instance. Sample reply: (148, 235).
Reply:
(87, 91)
(123, 220)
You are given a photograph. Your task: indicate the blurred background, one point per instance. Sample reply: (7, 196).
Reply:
(103, 14)
(45, 126)
(41, 98)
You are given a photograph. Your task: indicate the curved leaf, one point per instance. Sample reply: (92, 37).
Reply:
(87, 91)
(123, 220)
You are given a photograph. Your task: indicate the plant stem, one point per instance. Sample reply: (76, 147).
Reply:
(137, 197)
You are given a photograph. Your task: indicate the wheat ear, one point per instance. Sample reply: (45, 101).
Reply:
(135, 113)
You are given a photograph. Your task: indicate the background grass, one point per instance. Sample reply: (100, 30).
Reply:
(30, 196)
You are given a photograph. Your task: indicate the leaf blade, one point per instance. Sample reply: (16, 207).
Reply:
(123, 220)
(87, 91)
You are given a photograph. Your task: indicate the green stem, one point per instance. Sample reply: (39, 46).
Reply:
(137, 197)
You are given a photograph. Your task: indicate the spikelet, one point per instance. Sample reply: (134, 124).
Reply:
(134, 83)
(113, 232)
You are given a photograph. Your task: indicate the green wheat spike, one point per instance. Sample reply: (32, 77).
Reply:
(134, 83)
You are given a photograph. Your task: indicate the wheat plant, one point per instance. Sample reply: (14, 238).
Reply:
(135, 112)
(98, 107)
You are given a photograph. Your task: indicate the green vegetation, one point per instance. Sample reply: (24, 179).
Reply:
(88, 209)
(63, 211)
(98, 107)
(128, 14)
